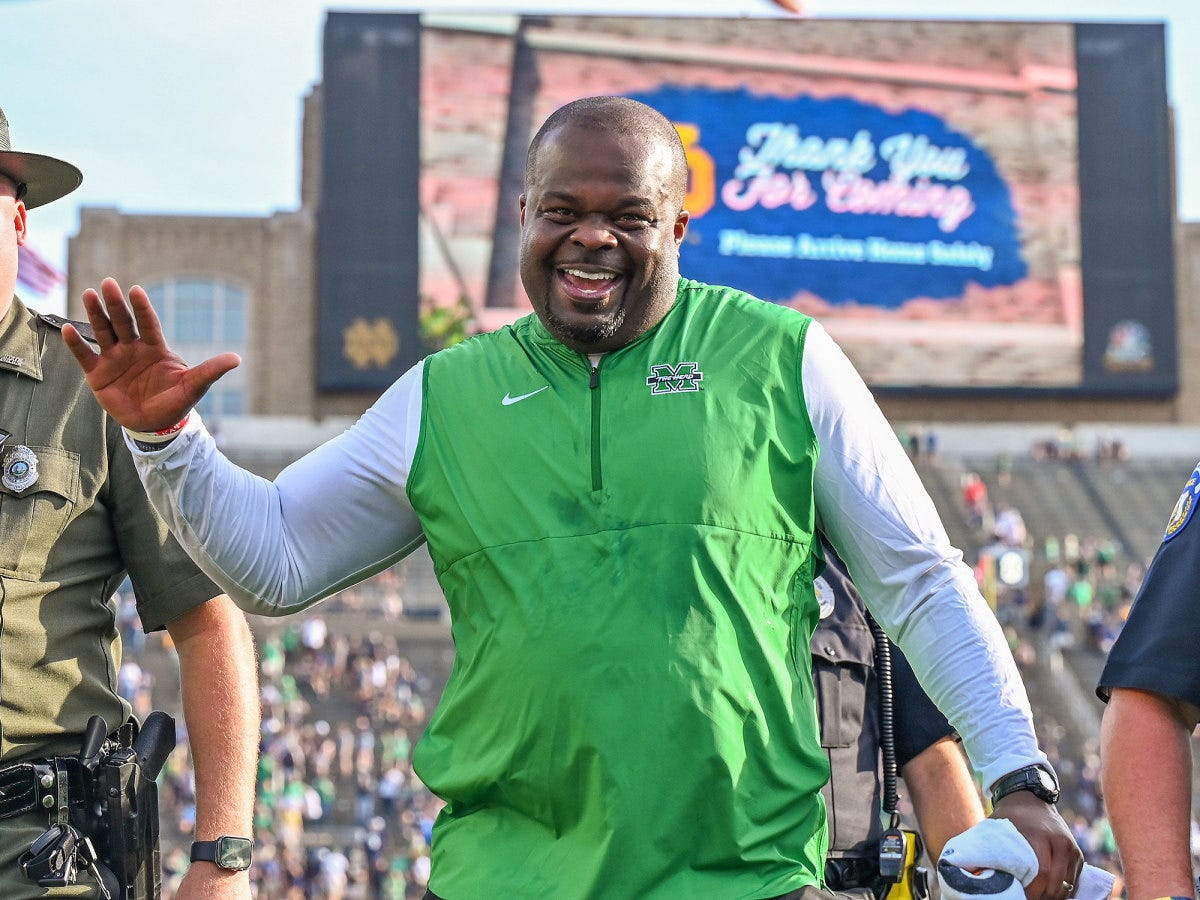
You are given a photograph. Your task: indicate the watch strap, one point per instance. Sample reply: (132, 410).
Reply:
(204, 851)
(211, 851)
(1028, 778)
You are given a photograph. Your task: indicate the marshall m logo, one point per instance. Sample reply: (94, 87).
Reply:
(667, 379)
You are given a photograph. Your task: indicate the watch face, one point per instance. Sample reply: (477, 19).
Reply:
(1049, 785)
(234, 853)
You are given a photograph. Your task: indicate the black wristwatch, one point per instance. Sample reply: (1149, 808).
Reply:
(232, 853)
(1039, 780)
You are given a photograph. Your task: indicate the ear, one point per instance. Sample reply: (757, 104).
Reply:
(681, 226)
(521, 200)
(19, 222)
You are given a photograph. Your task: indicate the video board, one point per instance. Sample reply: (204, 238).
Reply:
(965, 206)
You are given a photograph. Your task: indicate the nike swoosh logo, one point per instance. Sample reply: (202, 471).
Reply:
(509, 401)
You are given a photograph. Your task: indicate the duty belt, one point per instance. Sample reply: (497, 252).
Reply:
(48, 784)
(43, 784)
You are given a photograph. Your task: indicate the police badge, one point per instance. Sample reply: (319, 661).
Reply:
(20, 469)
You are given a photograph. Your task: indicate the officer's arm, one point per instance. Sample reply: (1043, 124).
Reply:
(944, 795)
(1146, 760)
(219, 683)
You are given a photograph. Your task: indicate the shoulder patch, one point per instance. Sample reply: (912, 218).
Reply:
(84, 328)
(1185, 506)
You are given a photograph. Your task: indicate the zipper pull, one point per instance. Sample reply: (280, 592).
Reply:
(595, 381)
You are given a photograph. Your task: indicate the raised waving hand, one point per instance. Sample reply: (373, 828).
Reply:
(136, 377)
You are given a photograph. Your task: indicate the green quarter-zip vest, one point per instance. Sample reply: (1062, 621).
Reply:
(626, 551)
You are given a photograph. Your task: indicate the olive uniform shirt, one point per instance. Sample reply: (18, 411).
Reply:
(66, 542)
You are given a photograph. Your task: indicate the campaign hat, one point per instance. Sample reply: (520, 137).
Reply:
(40, 178)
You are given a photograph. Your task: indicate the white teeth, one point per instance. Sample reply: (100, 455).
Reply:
(591, 276)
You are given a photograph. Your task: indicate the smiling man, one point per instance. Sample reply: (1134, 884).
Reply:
(620, 496)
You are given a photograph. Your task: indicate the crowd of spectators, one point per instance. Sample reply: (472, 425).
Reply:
(339, 813)
(1057, 597)
(1066, 444)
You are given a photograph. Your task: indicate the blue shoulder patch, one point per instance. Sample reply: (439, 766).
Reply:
(1185, 507)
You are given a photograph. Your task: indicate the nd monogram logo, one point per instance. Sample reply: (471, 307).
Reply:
(667, 379)
(370, 344)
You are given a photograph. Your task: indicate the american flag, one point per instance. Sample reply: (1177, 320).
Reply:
(35, 272)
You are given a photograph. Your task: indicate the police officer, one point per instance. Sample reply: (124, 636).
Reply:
(1152, 683)
(927, 753)
(73, 520)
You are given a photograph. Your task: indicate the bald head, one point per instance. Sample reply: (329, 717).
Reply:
(620, 116)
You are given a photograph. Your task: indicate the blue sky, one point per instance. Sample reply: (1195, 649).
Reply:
(195, 106)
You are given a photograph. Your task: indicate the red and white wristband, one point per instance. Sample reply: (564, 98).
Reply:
(149, 441)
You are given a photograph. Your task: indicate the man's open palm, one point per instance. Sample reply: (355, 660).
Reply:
(135, 376)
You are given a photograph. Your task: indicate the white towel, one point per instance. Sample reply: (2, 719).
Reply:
(993, 861)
